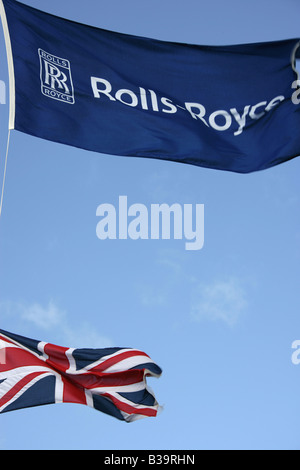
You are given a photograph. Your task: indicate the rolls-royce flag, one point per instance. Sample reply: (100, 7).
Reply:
(233, 108)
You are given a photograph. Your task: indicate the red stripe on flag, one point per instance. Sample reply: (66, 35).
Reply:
(16, 388)
(57, 357)
(117, 358)
(130, 409)
(4, 338)
(17, 357)
(73, 393)
(117, 379)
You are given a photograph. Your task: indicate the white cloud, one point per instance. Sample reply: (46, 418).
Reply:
(46, 317)
(86, 336)
(54, 320)
(222, 300)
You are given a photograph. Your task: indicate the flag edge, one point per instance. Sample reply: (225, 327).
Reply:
(10, 64)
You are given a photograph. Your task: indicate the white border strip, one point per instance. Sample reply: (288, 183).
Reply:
(11, 72)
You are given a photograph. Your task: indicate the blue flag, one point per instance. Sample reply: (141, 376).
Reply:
(233, 108)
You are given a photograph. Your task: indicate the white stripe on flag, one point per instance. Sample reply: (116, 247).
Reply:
(137, 387)
(7, 385)
(129, 363)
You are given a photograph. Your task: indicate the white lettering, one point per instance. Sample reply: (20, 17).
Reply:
(253, 110)
(172, 108)
(55, 60)
(115, 460)
(57, 95)
(196, 106)
(219, 120)
(133, 97)
(241, 120)
(218, 127)
(54, 76)
(106, 91)
(143, 95)
(154, 100)
(274, 102)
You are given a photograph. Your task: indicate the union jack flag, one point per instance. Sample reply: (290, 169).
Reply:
(111, 380)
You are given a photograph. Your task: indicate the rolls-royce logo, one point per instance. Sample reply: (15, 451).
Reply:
(56, 78)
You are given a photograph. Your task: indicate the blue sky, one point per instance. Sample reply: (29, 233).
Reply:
(220, 321)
